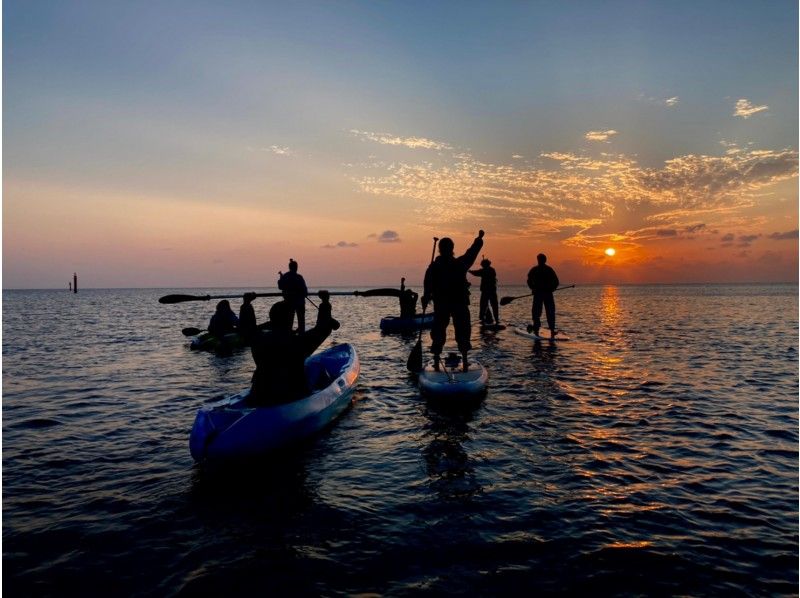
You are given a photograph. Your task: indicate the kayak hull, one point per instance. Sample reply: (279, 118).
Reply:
(398, 324)
(230, 428)
(209, 342)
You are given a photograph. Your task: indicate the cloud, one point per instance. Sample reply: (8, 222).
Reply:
(746, 240)
(600, 135)
(745, 109)
(580, 198)
(388, 236)
(517, 156)
(340, 244)
(728, 238)
(279, 150)
(673, 101)
(792, 234)
(412, 142)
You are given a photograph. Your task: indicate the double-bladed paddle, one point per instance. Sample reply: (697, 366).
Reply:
(507, 300)
(414, 363)
(169, 299)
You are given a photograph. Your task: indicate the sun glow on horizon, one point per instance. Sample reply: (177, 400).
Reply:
(610, 252)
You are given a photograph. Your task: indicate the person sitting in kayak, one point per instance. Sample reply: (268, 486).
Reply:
(542, 280)
(488, 278)
(294, 292)
(408, 301)
(224, 321)
(247, 316)
(446, 283)
(280, 354)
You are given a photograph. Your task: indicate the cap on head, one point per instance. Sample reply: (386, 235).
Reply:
(292, 265)
(446, 246)
(541, 258)
(281, 315)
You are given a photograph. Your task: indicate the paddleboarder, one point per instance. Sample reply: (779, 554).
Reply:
(294, 292)
(542, 280)
(488, 278)
(280, 354)
(446, 284)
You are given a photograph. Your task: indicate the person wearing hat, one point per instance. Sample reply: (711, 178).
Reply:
(488, 278)
(542, 281)
(446, 284)
(295, 292)
(280, 354)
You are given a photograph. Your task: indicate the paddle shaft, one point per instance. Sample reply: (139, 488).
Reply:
(414, 362)
(169, 299)
(507, 300)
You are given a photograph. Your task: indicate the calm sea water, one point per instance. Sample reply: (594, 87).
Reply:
(655, 452)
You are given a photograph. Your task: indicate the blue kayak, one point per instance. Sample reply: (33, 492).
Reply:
(230, 428)
(398, 324)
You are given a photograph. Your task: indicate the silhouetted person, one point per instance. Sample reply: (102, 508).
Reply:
(280, 355)
(488, 278)
(408, 301)
(223, 321)
(542, 280)
(247, 316)
(446, 283)
(294, 292)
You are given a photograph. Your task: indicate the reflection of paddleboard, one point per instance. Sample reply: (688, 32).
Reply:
(493, 327)
(544, 335)
(451, 382)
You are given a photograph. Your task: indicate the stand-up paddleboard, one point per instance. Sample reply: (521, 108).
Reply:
(451, 382)
(544, 335)
(492, 327)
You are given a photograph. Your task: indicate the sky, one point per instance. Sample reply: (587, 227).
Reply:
(204, 144)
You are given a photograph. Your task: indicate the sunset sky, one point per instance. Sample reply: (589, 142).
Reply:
(171, 144)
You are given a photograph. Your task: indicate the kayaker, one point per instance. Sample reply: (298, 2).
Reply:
(247, 316)
(446, 283)
(488, 278)
(295, 293)
(223, 321)
(542, 280)
(408, 301)
(280, 354)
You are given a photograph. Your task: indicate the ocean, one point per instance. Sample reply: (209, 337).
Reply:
(655, 452)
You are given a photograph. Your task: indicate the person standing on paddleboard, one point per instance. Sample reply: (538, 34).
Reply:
(294, 292)
(446, 283)
(280, 354)
(542, 280)
(488, 278)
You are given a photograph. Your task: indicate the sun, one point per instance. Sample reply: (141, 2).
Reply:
(610, 251)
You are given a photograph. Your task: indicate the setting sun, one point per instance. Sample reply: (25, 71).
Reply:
(610, 251)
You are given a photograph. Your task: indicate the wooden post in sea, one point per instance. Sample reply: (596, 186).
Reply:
(74, 282)
(70, 286)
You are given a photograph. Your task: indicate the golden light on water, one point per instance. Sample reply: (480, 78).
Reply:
(610, 251)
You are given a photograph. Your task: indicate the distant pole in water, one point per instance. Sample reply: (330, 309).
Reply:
(70, 286)
(74, 282)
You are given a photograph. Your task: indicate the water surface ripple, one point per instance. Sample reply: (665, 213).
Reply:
(655, 452)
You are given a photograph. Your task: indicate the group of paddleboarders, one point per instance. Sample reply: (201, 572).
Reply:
(279, 352)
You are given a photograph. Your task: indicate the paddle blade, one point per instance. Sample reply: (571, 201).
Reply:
(415, 359)
(379, 293)
(506, 300)
(181, 298)
(191, 331)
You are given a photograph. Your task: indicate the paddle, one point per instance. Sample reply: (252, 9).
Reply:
(191, 331)
(378, 293)
(507, 300)
(169, 299)
(414, 363)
